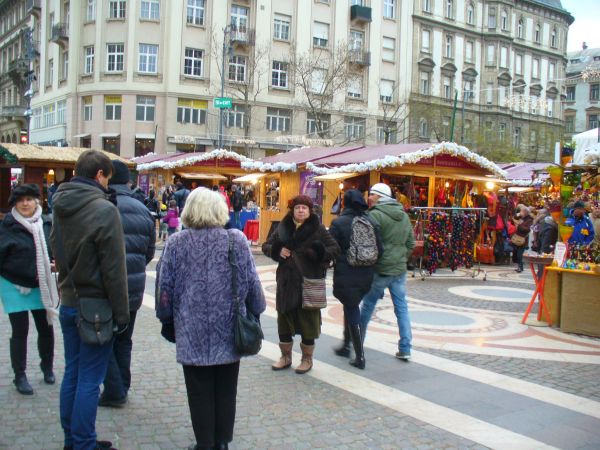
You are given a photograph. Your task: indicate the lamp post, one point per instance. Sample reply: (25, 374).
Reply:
(227, 48)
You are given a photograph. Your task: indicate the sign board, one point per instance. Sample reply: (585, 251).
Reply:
(222, 102)
(560, 253)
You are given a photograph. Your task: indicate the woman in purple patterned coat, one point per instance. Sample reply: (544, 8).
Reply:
(194, 294)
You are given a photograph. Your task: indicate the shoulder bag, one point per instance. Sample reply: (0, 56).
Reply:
(314, 295)
(517, 241)
(248, 334)
(95, 323)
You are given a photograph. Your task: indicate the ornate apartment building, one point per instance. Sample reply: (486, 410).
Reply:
(582, 102)
(133, 76)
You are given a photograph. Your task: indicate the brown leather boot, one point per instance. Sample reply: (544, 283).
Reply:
(307, 358)
(286, 356)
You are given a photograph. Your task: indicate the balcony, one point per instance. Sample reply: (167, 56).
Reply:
(360, 14)
(18, 67)
(34, 7)
(60, 33)
(13, 111)
(359, 58)
(244, 37)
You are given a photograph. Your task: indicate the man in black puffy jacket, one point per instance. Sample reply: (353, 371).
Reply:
(140, 237)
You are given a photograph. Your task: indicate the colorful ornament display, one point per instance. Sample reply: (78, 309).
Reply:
(437, 242)
(462, 241)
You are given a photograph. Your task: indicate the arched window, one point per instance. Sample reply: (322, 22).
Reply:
(448, 46)
(553, 38)
(1, 138)
(449, 9)
(14, 138)
(423, 129)
(538, 34)
(504, 20)
(470, 14)
(520, 29)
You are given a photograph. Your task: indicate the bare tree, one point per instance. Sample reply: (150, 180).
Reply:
(394, 118)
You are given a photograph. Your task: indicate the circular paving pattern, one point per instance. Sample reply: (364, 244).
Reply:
(438, 318)
(493, 293)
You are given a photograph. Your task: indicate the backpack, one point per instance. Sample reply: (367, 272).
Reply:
(363, 250)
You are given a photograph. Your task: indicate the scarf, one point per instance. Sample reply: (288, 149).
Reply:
(47, 282)
(110, 193)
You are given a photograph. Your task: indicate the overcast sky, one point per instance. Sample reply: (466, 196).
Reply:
(587, 23)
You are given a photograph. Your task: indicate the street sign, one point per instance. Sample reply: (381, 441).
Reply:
(222, 102)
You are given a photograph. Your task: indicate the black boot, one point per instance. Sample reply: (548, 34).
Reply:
(46, 350)
(344, 349)
(359, 358)
(18, 359)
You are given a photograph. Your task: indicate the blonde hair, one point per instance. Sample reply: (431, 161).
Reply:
(205, 209)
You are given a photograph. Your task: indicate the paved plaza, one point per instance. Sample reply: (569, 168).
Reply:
(478, 379)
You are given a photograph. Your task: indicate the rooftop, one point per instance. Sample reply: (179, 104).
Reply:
(580, 60)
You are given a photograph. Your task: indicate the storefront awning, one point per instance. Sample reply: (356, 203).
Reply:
(250, 178)
(182, 139)
(478, 178)
(201, 176)
(109, 135)
(337, 176)
(144, 135)
(84, 135)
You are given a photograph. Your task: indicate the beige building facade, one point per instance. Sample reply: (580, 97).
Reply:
(134, 76)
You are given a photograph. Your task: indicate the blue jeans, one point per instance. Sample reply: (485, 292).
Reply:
(237, 223)
(397, 288)
(118, 374)
(85, 368)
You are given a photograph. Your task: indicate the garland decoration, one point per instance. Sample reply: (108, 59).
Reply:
(437, 242)
(192, 159)
(462, 241)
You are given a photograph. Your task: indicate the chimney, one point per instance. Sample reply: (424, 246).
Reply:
(584, 46)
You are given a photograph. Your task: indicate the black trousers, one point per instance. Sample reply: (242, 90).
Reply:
(18, 342)
(212, 392)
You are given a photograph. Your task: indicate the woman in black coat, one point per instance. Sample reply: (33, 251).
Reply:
(303, 248)
(350, 283)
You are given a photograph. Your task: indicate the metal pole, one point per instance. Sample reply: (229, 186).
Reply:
(225, 31)
(453, 115)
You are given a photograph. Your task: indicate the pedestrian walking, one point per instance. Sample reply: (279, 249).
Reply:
(153, 206)
(180, 196)
(172, 218)
(88, 242)
(237, 203)
(398, 242)
(195, 297)
(303, 248)
(26, 282)
(520, 239)
(350, 283)
(140, 237)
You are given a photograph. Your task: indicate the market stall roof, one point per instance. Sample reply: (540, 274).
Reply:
(201, 176)
(250, 178)
(525, 174)
(179, 160)
(31, 153)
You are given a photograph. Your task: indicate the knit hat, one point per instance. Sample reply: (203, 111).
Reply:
(555, 206)
(579, 205)
(301, 200)
(120, 173)
(381, 189)
(23, 190)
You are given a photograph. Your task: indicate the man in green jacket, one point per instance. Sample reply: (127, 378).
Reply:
(398, 242)
(87, 240)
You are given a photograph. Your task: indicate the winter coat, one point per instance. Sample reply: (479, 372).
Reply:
(93, 246)
(138, 194)
(397, 236)
(524, 227)
(172, 218)
(140, 236)
(180, 197)
(194, 293)
(312, 249)
(583, 229)
(237, 201)
(548, 235)
(17, 251)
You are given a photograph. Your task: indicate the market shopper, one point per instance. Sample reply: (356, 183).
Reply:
(172, 218)
(520, 239)
(194, 296)
(26, 282)
(350, 283)
(140, 237)
(303, 248)
(398, 242)
(583, 228)
(180, 196)
(237, 203)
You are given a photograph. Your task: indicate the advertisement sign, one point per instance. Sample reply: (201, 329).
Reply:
(144, 182)
(310, 187)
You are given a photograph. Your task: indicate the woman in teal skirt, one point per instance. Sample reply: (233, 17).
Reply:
(27, 283)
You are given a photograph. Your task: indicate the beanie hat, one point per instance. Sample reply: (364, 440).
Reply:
(555, 206)
(381, 189)
(301, 200)
(579, 204)
(120, 173)
(23, 190)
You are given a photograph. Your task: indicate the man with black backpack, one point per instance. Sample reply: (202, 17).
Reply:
(398, 242)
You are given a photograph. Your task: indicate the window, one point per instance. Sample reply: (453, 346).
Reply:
(469, 93)
(112, 107)
(491, 57)
(553, 38)
(355, 87)
(114, 57)
(386, 91)
(354, 127)
(356, 2)
(195, 12)
(470, 14)
(425, 41)
(48, 119)
(279, 119)
(148, 58)
(37, 119)
(449, 9)
(87, 108)
(312, 124)
(535, 68)
(502, 132)
(426, 6)
(504, 20)
(235, 117)
(389, 128)
(447, 82)
(517, 137)
(90, 12)
(239, 19)
(320, 34)
(492, 18)
(191, 111)
(594, 91)
(112, 145)
(502, 94)
(551, 71)
(424, 83)
(469, 52)
(489, 94)
(520, 29)
(237, 69)
(571, 93)
(50, 79)
(88, 65)
(61, 108)
(317, 81)
(519, 64)
(116, 9)
(550, 106)
(534, 101)
(150, 9)
(279, 75)
(389, 9)
(389, 49)
(570, 124)
(281, 27)
(144, 108)
(65, 65)
(504, 57)
(592, 121)
(448, 52)
(357, 39)
(423, 129)
(537, 36)
(192, 63)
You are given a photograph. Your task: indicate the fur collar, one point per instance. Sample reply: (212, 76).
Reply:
(291, 237)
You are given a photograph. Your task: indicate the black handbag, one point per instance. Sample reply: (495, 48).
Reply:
(95, 322)
(247, 330)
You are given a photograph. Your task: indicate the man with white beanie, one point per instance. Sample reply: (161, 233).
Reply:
(390, 271)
